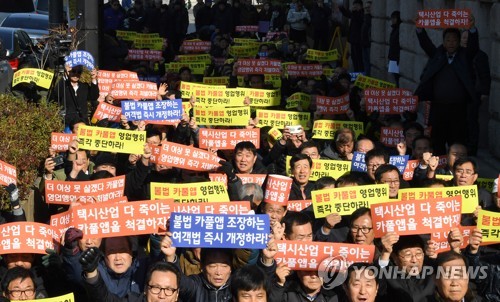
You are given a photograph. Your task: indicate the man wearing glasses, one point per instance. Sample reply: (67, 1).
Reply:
(18, 284)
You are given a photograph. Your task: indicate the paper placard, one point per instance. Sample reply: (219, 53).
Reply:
(28, 238)
(184, 157)
(304, 70)
(80, 57)
(258, 66)
(411, 165)
(245, 178)
(40, 77)
(443, 18)
(324, 167)
(281, 119)
(469, 194)
(197, 68)
(391, 136)
(59, 141)
(332, 105)
(246, 28)
(106, 79)
(8, 174)
(399, 161)
(441, 238)
(227, 139)
(134, 90)
(489, 224)
(144, 55)
(107, 111)
(204, 58)
(148, 40)
(322, 56)
(390, 101)
(195, 46)
(169, 110)
(235, 116)
(65, 298)
(298, 205)
(358, 163)
(277, 189)
(190, 192)
(298, 99)
(325, 129)
(364, 82)
(111, 140)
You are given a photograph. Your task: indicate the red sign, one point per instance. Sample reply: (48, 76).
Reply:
(258, 66)
(444, 18)
(411, 217)
(106, 78)
(410, 169)
(105, 110)
(59, 141)
(28, 237)
(8, 174)
(390, 101)
(298, 205)
(245, 178)
(144, 55)
(247, 28)
(223, 139)
(277, 189)
(391, 136)
(134, 90)
(184, 157)
(195, 46)
(304, 70)
(332, 105)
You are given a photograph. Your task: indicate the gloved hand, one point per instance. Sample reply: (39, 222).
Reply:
(228, 169)
(14, 195)
(71, 238)
(90, 259)
(52, 259)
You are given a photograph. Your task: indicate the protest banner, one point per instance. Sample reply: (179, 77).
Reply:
(411, 165)
(308, 256)
(281, 119)
(443, 18)
(126, 35)
(441, 238)
(245, 178)
(277, 189)
(323, 167)
(485, 183)
(325, 129)
(304, 70)
(204, 58)
(111, 140)
(216, 80)
(489, 224)
(399, 161)
(8, 174)
(184, 157)
(275, 133)
(226, 139)
(28, 238)
(344, 201)
(298, 99)
(59, 141)
(245, 41)
(298, 205)
(40, 77)
(469, 195)
(391, 136)
(263, 97)
(80, 57)
(190, 192)
(95, 191)
(133, 90)
(148, 40)
(322, 56)
(258, 66)
(170, 110)
(62, 221)
(235, 116)
(415, 217)
(246, 28)
(65, 298)
(220, 231)
(365, 82)
(189, 89)
(358, 163)
(390, 101)
(244, 51)
(197, 68)
(332, 105)
(107, 77)
(195, 46)
(107, 111)
(144, 55)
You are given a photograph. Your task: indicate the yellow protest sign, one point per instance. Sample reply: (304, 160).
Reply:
(65, 298)
(190, 192)
(281, 119)
(470, 197)
(324, 167)
(364, 82)
(244, 51)
(444, 177)
(41, 77)
(216, 80)
(186, 106)
(126, 35)
(111, 140)
(322, 56)
(275, 133)
(235, 116)
(485, 183)
(328, 72)
(203, 58)
(196, 67)
(263, 97)
(273, 79)
(189, 89)
(148, 41)
(245, 41)
(325, 129)
(489, 224)
(346, 200)
(298, 98)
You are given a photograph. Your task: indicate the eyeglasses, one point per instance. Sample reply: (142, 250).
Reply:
(390, 182)
(373, 166)
(166, 290)
(465, 172)
(364, 230)
(408, 256)
(17, 293)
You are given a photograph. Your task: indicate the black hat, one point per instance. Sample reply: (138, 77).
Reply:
(105, 158)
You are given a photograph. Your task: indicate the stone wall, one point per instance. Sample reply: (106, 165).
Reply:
(413, 59)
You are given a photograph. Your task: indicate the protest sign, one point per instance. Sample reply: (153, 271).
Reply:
(148, 40)
(245, 41)
(298, 205)
(126, 35)
(391, 136)
(281, 119)
(197, 68)
(441, 238)
(170, 110)
(358, 162)
(235, 116)
(246, 28)
(144, 55)
(245, 178)
(444, 177)
(220, 231)
(325, 129)
(444, 18)
(106, 79)
(276, 34)
(204, 58)
(133, 90)
(399, 161)
(485, 183)
(390, 101)
(28, 238)
(40, 77)
(258, 66)
(469, 195)
(410, 217)
(323, 167)
(62, 221)
(8, 174)
(364, 82)
(410, 169)
(190, 192)
(189, 89)
(298, 99)
(184, 157)
(304, 70)
(489, 224)
(59, 141)
(216, 80)
(322, 56)
(244, 51)
(65, 298)
(195, 46)
(80, 57)
(111, 140)
(107, 111)
(277, 189)
(307, 256)
(226, 139)
(95, 191)
(332, 105)
(344, 201)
